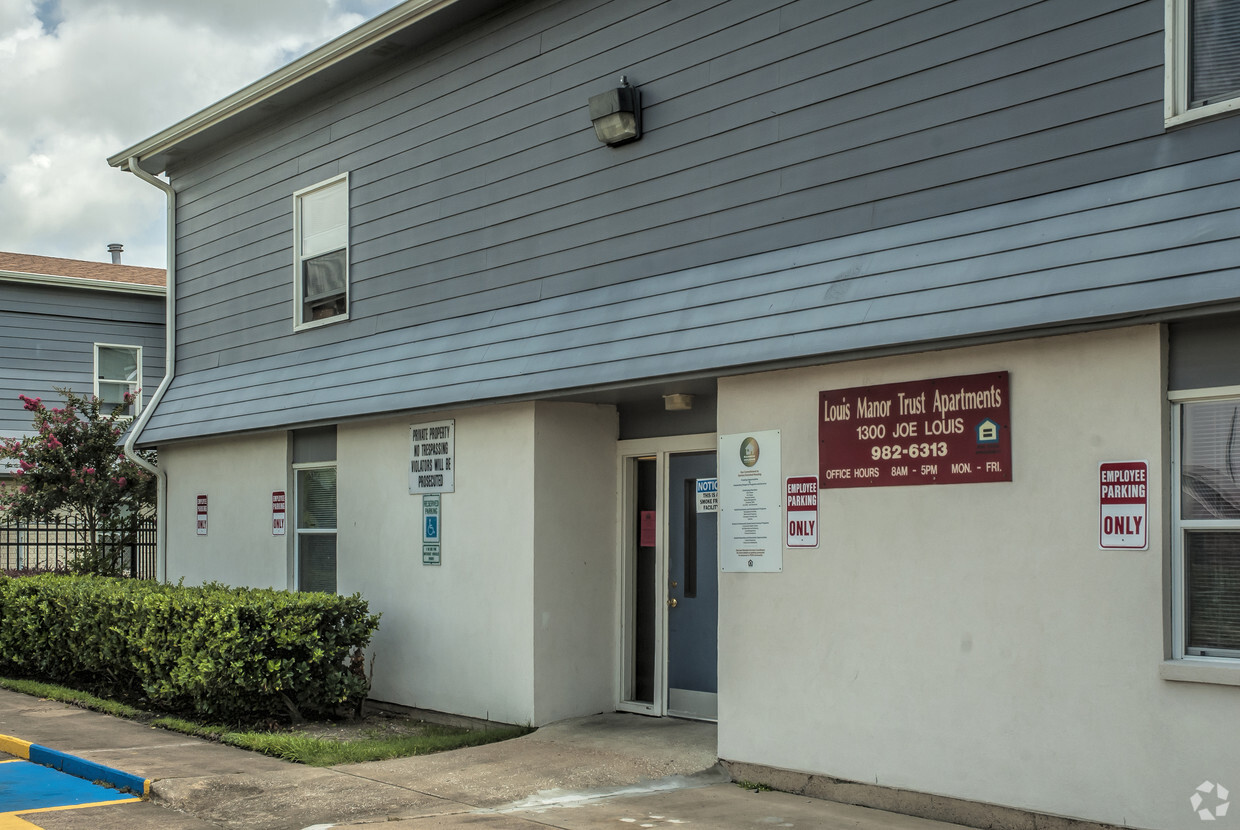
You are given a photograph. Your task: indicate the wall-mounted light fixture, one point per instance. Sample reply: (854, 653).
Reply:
(617, 114)
(678, 402)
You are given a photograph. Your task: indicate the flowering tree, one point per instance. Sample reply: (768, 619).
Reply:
(73, 466)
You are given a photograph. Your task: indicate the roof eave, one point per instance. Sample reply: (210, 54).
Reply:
(84, 283)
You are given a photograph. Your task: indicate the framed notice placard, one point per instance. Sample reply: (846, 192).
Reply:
(953, 430)
(750, 503)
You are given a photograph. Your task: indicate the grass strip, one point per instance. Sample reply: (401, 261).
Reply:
(290, 746)
(63, 694)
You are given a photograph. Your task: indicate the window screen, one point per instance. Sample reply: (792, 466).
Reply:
(1210, 518)
(1214, 51)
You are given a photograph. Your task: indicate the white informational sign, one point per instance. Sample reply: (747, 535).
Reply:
(708, 495)
(1123, 505)
(432, 450)
(278, 512)
(801, 500)
(750, 502)
(202, 515)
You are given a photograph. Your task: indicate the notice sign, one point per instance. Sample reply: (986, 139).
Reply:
(278, 512)
(1123, 505)
(432, 450)
(647, 530)
(802, 511)
(432, 513)
(749, 502)
(202, 515)
(708, 495)
(942, 431)
(432, 529)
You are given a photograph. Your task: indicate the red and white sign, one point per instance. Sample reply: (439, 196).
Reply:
(955, 430)
(1123, 505)
(802, 511)
(202, 515)
(278, 512)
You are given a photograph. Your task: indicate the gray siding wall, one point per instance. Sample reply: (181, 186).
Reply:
(816, 177)
(47, 337)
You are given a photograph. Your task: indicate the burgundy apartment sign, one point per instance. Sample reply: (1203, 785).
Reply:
(942, 431)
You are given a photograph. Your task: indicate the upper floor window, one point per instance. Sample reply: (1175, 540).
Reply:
(118, 370)
(1206, 548)
(321, 252)
(1202, 59)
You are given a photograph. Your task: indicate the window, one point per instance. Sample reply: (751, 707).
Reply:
(321, 252)
(118, 370)
(1207, 524)
(1202, 59)
(314, 488)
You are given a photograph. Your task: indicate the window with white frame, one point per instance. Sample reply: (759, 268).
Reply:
(314, 501)
(1206, 503)
(118, 371)
(321, 252)
(1202, 59)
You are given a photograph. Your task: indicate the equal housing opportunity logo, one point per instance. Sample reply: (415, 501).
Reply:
(1210, 801)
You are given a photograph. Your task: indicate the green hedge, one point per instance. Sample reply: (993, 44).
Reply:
(229, 654)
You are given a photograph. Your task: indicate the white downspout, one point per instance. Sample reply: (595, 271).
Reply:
(170, 338)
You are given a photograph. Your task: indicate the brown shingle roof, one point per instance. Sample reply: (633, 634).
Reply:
(81, 269)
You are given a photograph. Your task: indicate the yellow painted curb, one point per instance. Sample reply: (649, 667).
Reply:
(15, 746)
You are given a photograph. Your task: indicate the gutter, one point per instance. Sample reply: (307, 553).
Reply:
(170, 336)
(113, 286)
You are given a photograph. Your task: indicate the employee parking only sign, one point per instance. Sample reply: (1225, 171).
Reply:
(1123, 505)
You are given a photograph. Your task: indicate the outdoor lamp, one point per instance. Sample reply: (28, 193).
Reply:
(617, 114)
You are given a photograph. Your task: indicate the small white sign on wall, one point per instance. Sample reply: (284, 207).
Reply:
(1123, 505)
(279, 512)
(802, 511)
(202, 514)
(432, 456)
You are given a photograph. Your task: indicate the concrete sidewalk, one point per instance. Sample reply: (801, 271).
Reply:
(609, 770)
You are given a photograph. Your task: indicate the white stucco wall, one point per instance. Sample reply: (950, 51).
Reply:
(455, 637)
(972, 640)
(238, 476)
(575, 568)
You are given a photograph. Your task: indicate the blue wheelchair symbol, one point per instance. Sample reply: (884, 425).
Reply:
(432, 527)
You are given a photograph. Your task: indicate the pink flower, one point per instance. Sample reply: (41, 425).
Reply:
(120, 482)
(30, 404)
(23, 489)
(53, 443)
(90, 471)
(25, 465)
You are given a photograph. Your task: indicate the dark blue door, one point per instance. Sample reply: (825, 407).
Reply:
(692, 590)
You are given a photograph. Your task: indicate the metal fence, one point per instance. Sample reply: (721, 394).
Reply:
(53, 545)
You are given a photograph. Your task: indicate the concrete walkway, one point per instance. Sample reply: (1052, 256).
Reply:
(610, 770)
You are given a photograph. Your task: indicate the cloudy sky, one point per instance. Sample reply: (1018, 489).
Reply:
(81, 80)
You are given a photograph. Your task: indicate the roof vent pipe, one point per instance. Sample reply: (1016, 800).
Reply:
(115, 248)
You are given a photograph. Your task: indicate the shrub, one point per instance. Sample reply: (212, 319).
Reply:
(228, 654)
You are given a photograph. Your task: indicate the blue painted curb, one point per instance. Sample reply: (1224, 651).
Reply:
(75, 766)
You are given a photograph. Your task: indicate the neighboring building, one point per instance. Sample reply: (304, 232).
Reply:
(94, 327)
(967, 270)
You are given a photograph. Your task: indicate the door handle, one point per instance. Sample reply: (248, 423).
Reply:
(671, 603)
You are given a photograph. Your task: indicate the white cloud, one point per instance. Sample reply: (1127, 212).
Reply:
(110, 73)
